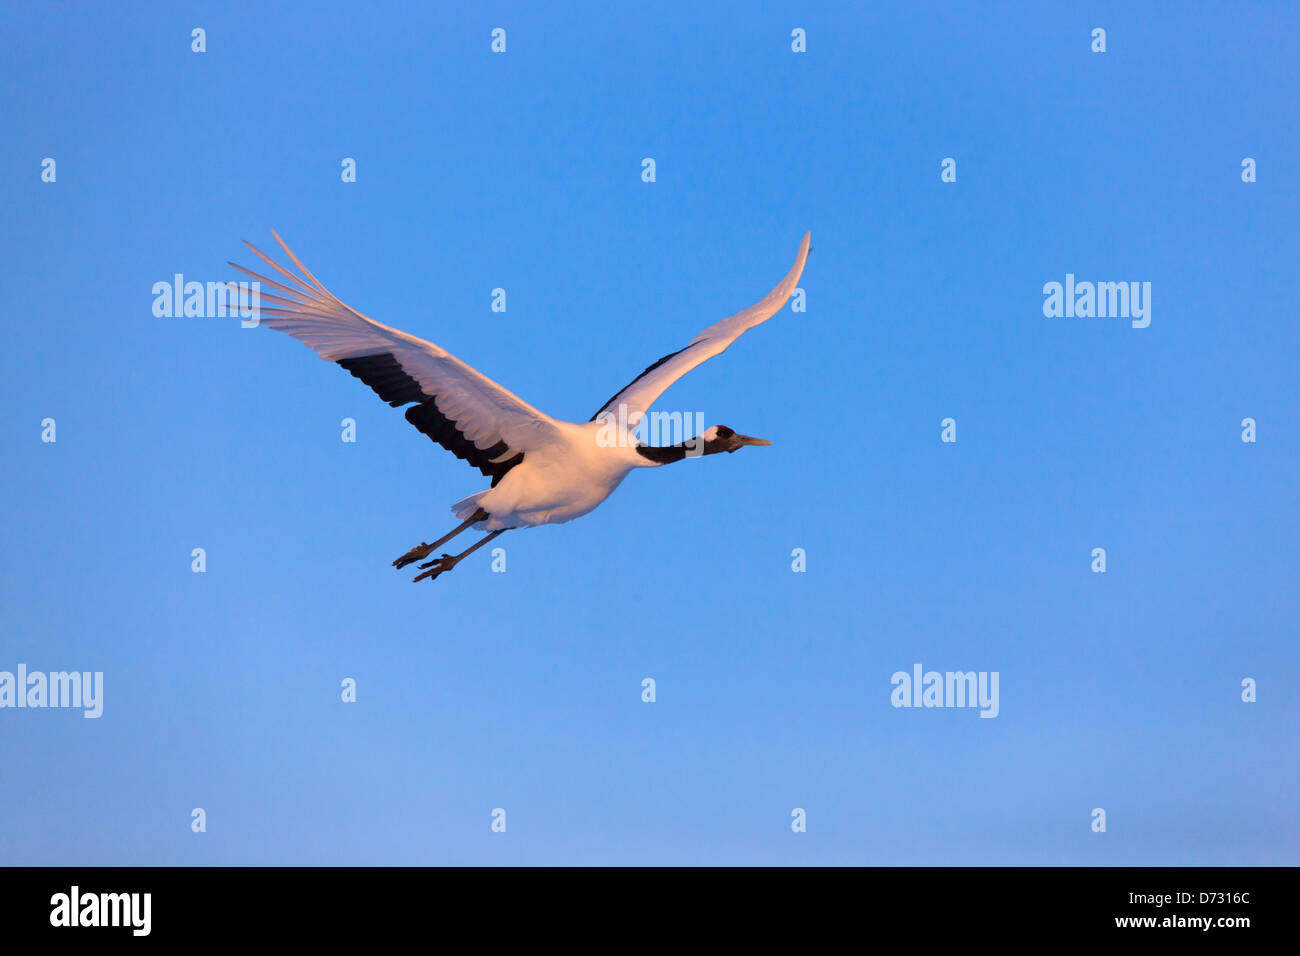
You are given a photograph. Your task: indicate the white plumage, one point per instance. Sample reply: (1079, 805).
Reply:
(544, 470)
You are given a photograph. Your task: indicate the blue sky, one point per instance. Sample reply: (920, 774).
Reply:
(522, 690)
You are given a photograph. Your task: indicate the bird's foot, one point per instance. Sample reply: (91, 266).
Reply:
(445, 563)
(415, 554)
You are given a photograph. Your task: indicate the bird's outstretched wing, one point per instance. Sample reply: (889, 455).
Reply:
(643, 390)
(456, 406)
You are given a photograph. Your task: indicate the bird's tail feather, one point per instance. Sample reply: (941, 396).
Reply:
(467, 506)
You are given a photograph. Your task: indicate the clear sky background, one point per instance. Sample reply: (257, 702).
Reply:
(522, 690)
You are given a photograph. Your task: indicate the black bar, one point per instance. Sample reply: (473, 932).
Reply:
(376, 904)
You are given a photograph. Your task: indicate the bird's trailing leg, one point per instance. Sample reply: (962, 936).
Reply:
(449, 561)
(422, 550)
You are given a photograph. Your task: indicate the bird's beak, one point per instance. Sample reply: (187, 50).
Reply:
(746, 440)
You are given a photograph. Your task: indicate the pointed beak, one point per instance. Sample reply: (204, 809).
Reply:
(746, 440)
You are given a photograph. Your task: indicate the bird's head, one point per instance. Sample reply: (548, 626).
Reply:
(721, 438)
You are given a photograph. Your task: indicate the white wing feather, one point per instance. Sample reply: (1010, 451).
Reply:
(654, 381)
(482, 410)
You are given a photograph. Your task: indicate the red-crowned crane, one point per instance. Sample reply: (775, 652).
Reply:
(543, 470)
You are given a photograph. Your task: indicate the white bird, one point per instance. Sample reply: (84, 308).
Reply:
(543, 470)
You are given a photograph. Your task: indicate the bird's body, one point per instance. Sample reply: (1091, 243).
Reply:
(556, 483)
(543, 470)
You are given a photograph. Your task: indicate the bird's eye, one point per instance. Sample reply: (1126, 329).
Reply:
(725, 432)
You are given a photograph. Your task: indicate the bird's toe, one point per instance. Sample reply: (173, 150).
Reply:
(443, 564)
(415, 554)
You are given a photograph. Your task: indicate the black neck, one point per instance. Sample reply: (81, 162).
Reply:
(667, 454)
